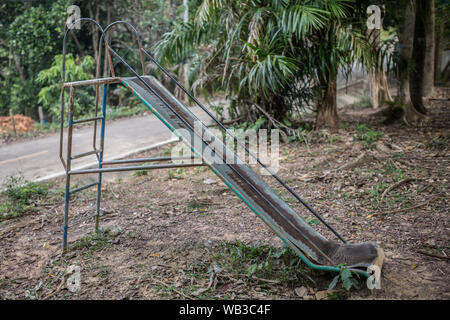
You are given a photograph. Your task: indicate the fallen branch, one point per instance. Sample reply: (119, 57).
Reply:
(361, 160)
(58, 289)
(433, 255)
(201, 290)
(265, 280)
(274, 122)
(395, 186)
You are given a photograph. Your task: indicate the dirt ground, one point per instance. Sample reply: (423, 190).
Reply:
(21, 123)
(173, 235)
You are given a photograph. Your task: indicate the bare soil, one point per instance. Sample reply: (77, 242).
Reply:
(21, 124)
(170, 235)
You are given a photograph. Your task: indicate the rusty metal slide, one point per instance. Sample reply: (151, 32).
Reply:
(314, 249)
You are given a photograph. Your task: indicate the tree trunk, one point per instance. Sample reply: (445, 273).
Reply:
(439, 46)
(384, 91)
(428, 71)
(94, 29)
(379, 91)
(327, 107)
(105, 58)
(19, 68)
(418, 57)
(186, 65)
(406, 36)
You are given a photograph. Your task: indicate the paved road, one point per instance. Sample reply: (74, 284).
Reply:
(39, 159)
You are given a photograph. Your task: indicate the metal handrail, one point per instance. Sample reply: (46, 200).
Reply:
(138, 39)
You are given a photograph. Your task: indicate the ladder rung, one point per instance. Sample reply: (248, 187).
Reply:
(83, 187)
(86, 120)
(84, 218)
(136, 160)
(85, 154)
(92, 82)
(131, 168)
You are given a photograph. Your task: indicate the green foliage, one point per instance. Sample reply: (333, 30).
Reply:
(262, 260)
(375, 192)
(312, 221)
(139, 173)
(32, 34)
(50, 94)
(19, 196)
(273, 54)
(367, 135)
(334, 138)
(346, 277)
(300, 134)
(37, 33)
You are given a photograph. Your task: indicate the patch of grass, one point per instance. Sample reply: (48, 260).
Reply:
(19, 196)
(139, 173)
(392, 170)
(262, 261)
(312, 221)
(367, 135)
(171, 173)
(299, 134)
(375, 192)
(93, 241)
(198, 170)
(47, 127)
(179, 173)
(345, 125)
(334, 138)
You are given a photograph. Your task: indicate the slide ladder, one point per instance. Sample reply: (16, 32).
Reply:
(313, 248)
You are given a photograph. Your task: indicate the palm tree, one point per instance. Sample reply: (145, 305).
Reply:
(272, 58)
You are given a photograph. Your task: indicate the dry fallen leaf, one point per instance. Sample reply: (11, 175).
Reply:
(301, 292)
(323, 295)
